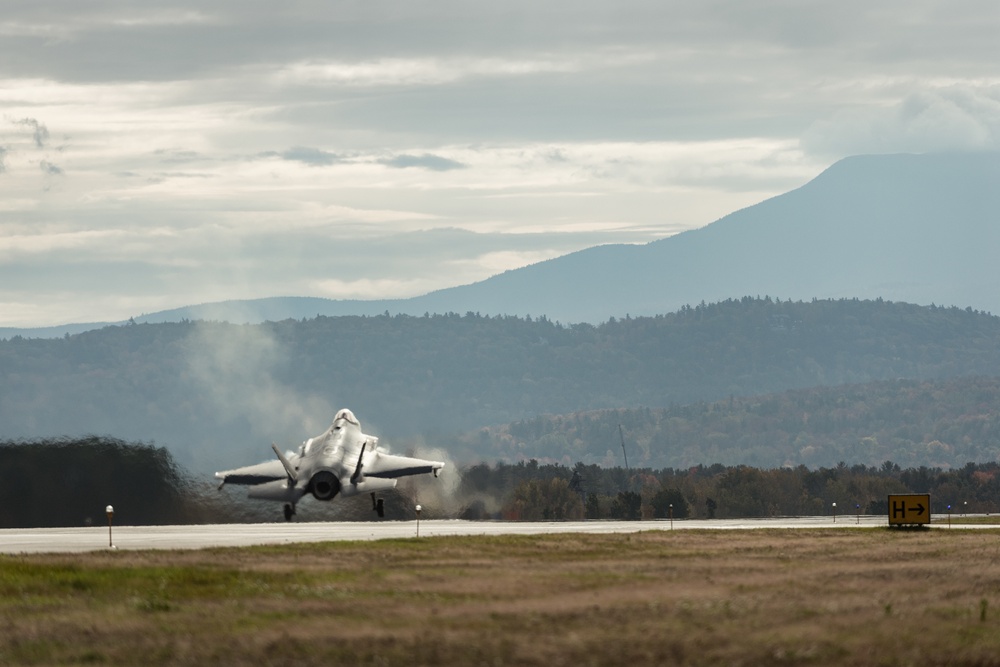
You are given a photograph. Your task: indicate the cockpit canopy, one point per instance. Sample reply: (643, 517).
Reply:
(346, 415)
(342, 418)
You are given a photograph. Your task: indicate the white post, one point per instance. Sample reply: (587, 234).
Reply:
(110, 511)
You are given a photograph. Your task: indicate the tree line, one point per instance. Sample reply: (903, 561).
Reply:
(69, 482)
(529, 491)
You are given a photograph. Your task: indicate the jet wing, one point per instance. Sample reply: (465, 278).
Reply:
(260, 473)
(388, 466)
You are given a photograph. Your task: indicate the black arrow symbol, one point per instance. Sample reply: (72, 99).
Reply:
(920, 509)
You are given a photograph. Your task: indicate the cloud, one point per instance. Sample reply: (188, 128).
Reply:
(425, 161)
(310, 156)
(20, 29)
(67, 26)
(50, 169)
(161, 18)
(416, 71)
(953, 118)
(18, 246)
(525, 129)
(40, 133)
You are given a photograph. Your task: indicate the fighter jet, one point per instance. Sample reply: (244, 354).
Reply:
(342, 460)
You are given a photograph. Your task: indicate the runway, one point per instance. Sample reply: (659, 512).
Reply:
(75, 540)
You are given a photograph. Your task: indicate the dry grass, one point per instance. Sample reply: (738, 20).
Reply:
(830, 597)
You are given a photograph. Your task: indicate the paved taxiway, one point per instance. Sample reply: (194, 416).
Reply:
(42, 540)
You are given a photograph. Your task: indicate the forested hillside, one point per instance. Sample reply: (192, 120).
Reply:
(217, 394)
(934, 423)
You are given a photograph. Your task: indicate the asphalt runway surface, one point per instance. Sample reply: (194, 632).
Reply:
(75, 540)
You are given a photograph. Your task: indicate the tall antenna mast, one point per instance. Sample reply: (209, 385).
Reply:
(622, 436)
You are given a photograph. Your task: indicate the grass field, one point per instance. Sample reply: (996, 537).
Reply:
(755, 597)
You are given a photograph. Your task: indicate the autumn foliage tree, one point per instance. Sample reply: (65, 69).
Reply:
(544, 500)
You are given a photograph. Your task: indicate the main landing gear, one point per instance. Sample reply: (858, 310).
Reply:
(378, 505)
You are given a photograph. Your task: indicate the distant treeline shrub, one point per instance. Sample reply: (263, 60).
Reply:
(529, 491)
(69, 482)
(940, 423)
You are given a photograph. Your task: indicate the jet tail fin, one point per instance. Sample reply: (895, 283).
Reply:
(292, 475)
(357, 469)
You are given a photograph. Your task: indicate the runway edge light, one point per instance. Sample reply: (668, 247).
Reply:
(110, 511)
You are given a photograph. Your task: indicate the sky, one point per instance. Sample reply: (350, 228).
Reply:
(156, 155)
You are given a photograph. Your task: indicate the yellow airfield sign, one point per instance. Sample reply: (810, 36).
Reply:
(909, 508)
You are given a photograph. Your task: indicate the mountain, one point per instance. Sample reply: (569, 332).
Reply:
(916, 228)
(920, 229)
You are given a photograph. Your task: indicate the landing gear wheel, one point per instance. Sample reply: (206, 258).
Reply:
(378, 506)
(289, 512)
